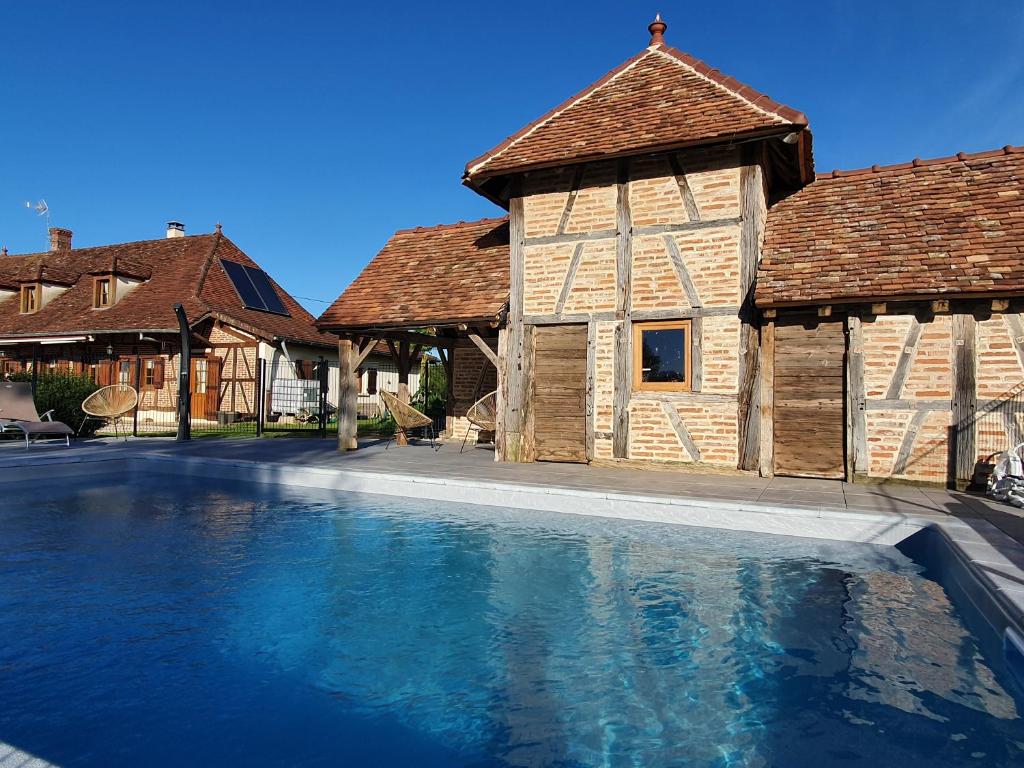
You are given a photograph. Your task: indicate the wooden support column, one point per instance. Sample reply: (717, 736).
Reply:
(511, 366)
(347, 398)
(623, 365)
(448, 361)
(748, 416)
(965, 400)
(856, 404)
(767, 427)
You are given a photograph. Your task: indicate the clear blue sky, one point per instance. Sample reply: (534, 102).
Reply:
(313, 130)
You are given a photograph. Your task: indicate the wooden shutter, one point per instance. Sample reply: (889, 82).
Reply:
(560, 393)
(371, 381)
(158, 373)
(105, 373)
(304, 369)
(213, 368)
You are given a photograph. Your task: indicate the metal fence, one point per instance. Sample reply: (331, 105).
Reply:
(228, 398)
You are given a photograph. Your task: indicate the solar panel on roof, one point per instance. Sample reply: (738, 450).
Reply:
(254, 288)
(266, 291)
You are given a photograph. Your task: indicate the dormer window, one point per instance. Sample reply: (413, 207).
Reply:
(30, 298)
(103, 292)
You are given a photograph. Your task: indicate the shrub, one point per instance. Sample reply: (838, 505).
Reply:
(63, 392)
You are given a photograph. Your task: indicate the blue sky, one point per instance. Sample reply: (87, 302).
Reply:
(313, 130)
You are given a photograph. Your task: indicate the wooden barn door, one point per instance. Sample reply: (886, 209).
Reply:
(560, 392)
(809, 400)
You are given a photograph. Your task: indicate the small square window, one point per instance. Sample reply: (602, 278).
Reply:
(661, 356)
(147, 373)
(103, 295)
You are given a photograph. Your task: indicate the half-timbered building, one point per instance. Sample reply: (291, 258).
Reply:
(109, 311)
(674, 284)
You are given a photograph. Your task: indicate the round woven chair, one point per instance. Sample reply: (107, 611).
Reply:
(482, 416)
(110, 405)
(406, 418)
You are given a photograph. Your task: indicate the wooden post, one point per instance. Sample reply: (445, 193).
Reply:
(623, 366)
(767, 426)
(347, 398)
(510, 447)
(856, 405)
(965, 399)
(500, 412)
(752, 209)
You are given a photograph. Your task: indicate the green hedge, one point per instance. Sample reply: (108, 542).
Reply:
(64, 393)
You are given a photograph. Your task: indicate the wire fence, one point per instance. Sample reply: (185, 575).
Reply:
(235, 396)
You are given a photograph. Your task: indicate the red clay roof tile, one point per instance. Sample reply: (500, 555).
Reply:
(185, 269)
(948, 226)
(658, 99)
(447, 274)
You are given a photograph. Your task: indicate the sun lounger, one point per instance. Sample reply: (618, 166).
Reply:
(18, 414)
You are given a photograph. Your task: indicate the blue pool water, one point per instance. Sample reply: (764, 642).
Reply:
(261, 626)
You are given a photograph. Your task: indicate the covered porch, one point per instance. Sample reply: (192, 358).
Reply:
(441, 288)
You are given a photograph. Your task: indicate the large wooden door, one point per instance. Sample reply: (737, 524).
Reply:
(809, 400)
(560, 392)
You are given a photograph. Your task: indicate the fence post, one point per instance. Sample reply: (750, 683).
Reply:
(322, 371)
(138, 389)
(260, 394)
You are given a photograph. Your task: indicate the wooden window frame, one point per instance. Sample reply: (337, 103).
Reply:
(112, 282)
(34, 289)
(639, 385)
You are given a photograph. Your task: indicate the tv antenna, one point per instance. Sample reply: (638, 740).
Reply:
(42, 209)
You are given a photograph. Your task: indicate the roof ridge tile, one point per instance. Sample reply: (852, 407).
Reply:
(917, 162)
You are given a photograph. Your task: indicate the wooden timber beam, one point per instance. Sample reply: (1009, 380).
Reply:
(489, 353)
(510, 372)
(965, 399)
(365, 348)
(767, 427)
(399, 335)
(347, 398)
(622, 383)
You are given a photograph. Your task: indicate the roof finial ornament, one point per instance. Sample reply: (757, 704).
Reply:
(657, 29)
(218, 228)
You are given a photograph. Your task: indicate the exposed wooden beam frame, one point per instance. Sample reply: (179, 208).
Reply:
(752, 202)
(691, 226)
(570, 278)
(899, 466)
(365, 348)
(685, 439)
(767, 451)
(650, 229)
(825, 311)
(692, 211)
(965, 398)
(899, 376)
(393, 335)
(622, 382)
(857, 447)
(482, 345)
(1000, 305)
(682, 273)
(510, 372)
(577, 181)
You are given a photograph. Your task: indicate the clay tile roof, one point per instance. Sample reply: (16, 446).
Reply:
(440, 275)
(184, 269)
(950, 226)
(660, 98)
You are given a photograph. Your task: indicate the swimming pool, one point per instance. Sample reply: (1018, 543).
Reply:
(170, 622)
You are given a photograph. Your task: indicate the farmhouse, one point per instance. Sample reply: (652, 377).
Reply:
(673, 283)
(109, 311)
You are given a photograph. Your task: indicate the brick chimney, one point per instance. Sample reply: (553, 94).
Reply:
(60, 239)
(175, 229)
